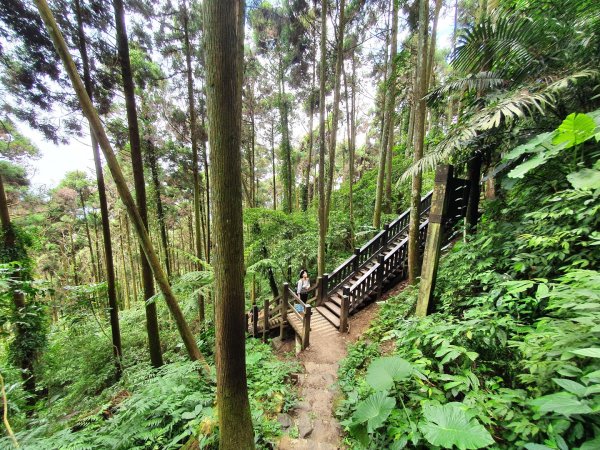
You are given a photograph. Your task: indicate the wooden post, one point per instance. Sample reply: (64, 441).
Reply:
(255, 320)
(319, 291)
(474, 169)
(356, 260)
(306, 327)
(284, 308)
(380, 275)
(266, 321)
(325, 287)
(345, 310)
(433, 244)
(386, 234)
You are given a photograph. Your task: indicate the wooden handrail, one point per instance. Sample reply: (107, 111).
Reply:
(364, 277)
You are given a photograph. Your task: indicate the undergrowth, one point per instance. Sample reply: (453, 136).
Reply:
(511, 357)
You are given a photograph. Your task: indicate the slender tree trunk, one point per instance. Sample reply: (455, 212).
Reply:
(138, 177)
(14, 252)
(134, 274)
(322, 199)
(194, 139)
(336, 108)
(350, 119)
(419, 138)
(273, 166)
(89, 239)
(224, 29)
(160, 212)
(286, 149)
(113, 164)
(108, 255)
(388, 117)
(311, 123)
(124, 267)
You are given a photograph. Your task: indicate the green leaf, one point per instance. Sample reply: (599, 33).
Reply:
(382, 372)
(572, 386)
(448, 425)
(592, 444)
(530, 164)
(575, 129)
(590, 352)
(586, 179)
(374, 410)
(562, 403)
(532, 446)
(529, 146)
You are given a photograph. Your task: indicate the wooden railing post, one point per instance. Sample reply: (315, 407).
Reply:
(284, 308)
(324, 287)
(319, 295)
(386, 235)
(380, 275)
(255, 320)
(474, 172)
(345, 310)
(433, 244)
(266, 321)
(306, 327)
(356, 261)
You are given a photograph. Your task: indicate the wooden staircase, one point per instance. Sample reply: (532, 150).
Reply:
(379, 264)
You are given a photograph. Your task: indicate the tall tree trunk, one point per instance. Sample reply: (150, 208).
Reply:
(286, 148)
(115, 169)
(419, 138)
(138, 177)
(273, 166)
(134, 273)
(387, 118)
(322, 199)
(350, 120)
(89, 239)
(194, 138)
(15, 252)
(224, 29)
(160, 212)
(311, 123)
(108, 255)
(336, 107)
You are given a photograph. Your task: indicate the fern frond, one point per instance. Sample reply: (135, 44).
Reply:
(516, 105)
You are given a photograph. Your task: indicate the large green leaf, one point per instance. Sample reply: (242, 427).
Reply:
(561, 403)
(374, 410)
(575, 129)
(529, 146)
(572, 386)
(585, 179)
(591, 352)
(382, 372)
(449, 425)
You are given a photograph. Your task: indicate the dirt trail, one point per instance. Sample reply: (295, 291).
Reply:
(314, 417)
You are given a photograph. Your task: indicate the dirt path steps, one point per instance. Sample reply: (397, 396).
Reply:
(314, 417)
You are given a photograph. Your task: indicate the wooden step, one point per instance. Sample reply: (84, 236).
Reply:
(336, 298)
(335, 321)
(337, 310)
(295, 323)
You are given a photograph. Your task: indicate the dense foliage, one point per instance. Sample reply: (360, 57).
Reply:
(511, 356)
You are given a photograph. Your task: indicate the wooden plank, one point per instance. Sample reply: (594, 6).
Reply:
(335, 321)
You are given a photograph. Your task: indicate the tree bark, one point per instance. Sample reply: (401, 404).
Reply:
(194, 139)
(120, 182)
(388, 117)
(336, 107)
(419, 139)
(138, 177)
(224, 22)
(108, 255)
(13, 252)
(322, 199)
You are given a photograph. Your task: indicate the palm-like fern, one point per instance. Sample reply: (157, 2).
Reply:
(520, 64)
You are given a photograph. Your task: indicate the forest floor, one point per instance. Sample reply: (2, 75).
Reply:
(312, 424)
